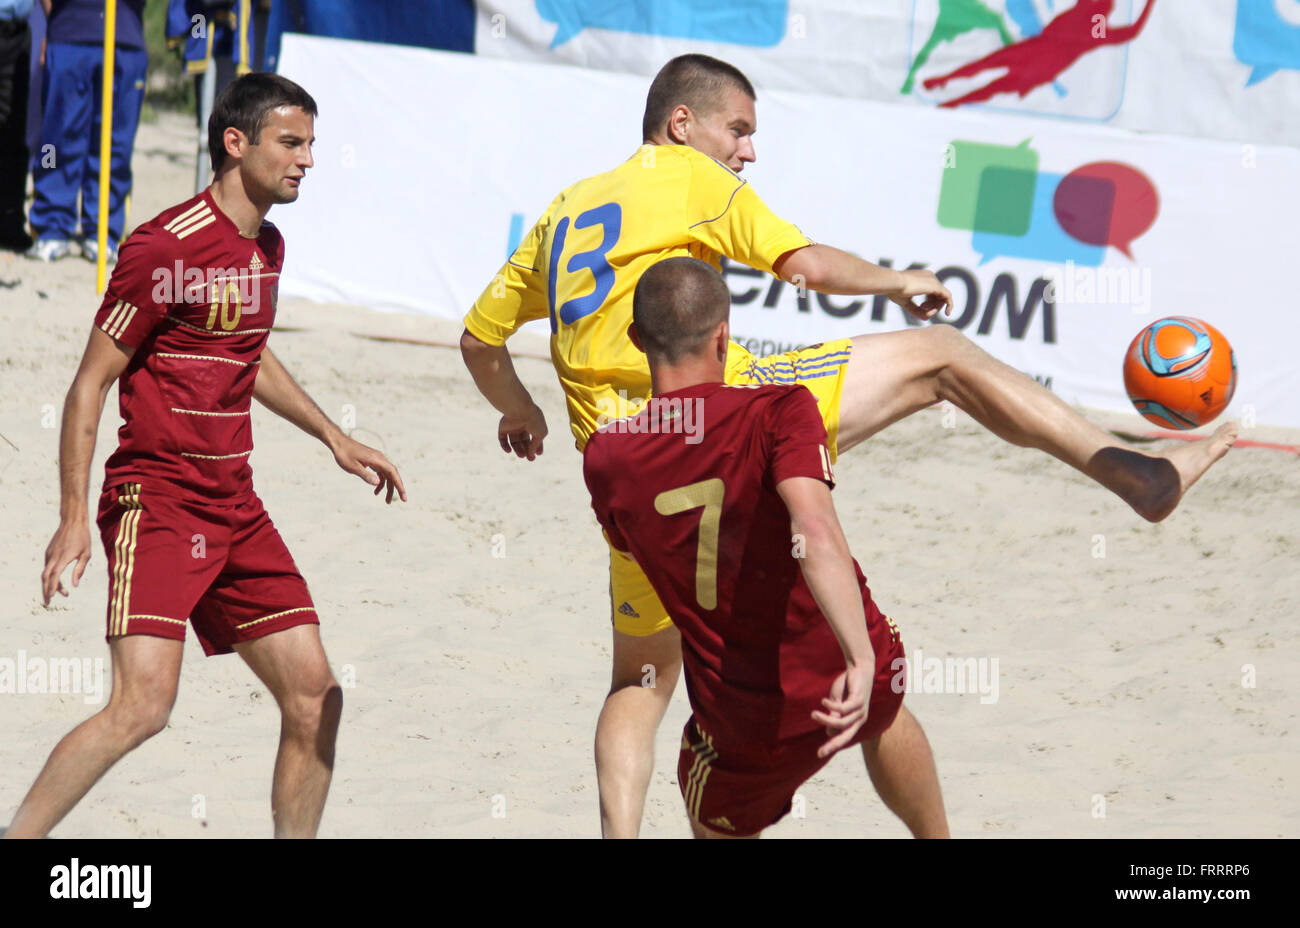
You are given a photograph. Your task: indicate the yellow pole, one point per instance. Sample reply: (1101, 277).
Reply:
(105, 140)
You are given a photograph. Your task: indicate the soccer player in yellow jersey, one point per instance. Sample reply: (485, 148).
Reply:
(681, 194)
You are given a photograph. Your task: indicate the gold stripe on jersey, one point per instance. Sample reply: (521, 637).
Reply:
(191, 220)
(125, 322)
(275, 615)
(217, 457)
(826, 464)
(201, 412)
(119, 319)
(112, 317)
(199, 328)
(196, 293)
(205, 357)
(186, 216)
(194, 227)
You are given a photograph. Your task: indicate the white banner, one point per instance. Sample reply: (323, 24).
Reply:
(430, 165)
(1222, 69)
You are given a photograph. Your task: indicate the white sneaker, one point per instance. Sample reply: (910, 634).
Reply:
(90, 251)
(49, 249)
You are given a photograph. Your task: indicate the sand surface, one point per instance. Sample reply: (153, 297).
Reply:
(1147, 692)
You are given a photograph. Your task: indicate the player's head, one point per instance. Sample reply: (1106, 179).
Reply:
(679, 313)
(705, 103)
(262, 124)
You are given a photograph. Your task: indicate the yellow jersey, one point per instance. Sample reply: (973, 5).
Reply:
(581, 262)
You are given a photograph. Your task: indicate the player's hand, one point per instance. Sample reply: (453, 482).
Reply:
(70, 543)
(523, 434)
(934, 295)
(846, 708)
(371, 466)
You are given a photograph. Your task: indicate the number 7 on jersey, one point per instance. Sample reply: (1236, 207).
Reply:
(707, 494)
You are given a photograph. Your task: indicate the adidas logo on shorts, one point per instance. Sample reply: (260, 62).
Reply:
(722, 822)
(627, 610)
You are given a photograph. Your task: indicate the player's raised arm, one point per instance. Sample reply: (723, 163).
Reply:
(101, 365)
(523, 426)
(724, 213)
(827, 566)
(830, 270)
(276, 389)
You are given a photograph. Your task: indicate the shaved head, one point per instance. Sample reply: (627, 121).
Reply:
(677, 306)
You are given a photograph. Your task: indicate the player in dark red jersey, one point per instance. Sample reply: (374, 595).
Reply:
(183, 330)
(722, 494)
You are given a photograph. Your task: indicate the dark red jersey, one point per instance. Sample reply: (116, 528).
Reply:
(688, 486)
(196, 300)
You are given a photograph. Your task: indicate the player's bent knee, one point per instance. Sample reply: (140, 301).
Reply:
(652, 662)
(309, 712)
(136, 721)
(948, 340)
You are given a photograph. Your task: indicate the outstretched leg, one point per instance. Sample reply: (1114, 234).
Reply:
(901, 767)
(893, 375)
(146, 671)
(292, 664)
(625, 733)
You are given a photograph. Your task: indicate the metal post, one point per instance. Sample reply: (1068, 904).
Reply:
(105, 140)
(207, 96)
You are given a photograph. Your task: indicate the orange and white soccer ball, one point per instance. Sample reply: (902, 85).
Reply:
(1180, 372)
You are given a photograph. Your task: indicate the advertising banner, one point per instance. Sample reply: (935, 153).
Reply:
(1059, 239)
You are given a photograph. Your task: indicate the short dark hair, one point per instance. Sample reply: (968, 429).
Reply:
(677, 305)
(244, 105)
(697, 81)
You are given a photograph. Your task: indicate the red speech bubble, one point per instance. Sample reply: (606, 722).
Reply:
(1106, 203)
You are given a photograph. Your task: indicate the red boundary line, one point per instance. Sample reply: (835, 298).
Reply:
(1239, 443)
(434, 344)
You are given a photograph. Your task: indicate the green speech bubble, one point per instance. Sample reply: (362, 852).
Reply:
(999, 201)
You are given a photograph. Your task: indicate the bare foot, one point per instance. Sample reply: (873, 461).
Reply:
(1163, 486)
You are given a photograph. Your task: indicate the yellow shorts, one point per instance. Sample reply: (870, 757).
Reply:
(820, 368)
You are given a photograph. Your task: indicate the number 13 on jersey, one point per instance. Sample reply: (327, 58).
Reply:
(610, 219)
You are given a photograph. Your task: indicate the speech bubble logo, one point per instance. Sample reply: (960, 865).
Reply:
(742, 22)
(961, 205)
(1106, 203)
(1043, 239)
(1267, 37)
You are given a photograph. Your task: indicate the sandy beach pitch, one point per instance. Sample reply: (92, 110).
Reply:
(1146, 674)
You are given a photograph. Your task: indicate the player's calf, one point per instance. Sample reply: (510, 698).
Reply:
(901, 766)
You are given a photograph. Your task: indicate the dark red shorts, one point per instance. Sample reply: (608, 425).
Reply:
(740, 789)
(224, 568)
